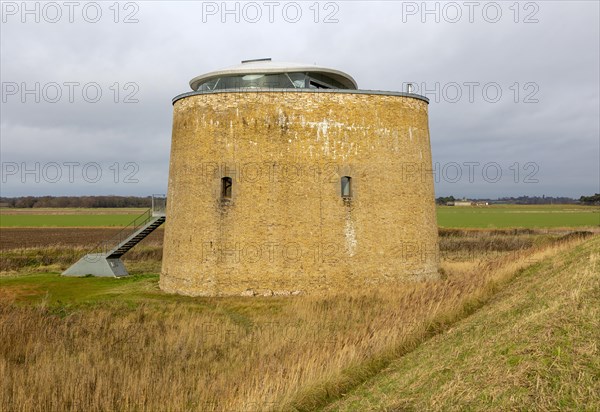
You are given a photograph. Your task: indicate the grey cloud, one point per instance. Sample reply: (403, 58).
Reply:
(171, 44)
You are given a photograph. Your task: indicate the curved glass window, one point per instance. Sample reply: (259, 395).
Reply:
(326, 82)
(271, 81)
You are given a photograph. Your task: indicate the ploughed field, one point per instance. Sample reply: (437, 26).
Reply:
(29, 237)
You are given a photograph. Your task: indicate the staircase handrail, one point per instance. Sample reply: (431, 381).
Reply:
(128, 230)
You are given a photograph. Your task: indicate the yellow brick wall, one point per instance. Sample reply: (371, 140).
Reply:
(287, 228)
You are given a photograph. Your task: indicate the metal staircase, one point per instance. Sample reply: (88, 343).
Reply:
(135, 237)
(105, 258)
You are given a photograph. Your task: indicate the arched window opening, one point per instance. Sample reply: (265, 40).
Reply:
(226, 185)
(346, 186)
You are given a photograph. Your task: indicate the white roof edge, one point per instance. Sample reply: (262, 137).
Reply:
(256, 67)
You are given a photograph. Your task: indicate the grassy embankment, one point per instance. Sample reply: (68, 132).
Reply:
(535, 346)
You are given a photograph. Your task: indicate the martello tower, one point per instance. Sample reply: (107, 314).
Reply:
(286, 177)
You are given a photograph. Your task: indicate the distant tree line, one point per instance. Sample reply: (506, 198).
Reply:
(444, 200)
(590, 200)
(537, 200)
(76, 201)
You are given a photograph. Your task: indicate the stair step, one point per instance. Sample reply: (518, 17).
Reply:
(137, 237)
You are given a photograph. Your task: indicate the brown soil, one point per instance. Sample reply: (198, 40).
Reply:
(13, 238)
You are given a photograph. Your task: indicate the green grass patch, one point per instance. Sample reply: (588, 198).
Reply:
(60, 220)
(54, 289)
(518, 216)
(484, 217)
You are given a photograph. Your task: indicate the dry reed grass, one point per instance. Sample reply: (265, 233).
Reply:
(232, 354)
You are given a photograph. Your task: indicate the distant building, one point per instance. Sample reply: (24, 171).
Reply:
(463, 202)
(466, 202)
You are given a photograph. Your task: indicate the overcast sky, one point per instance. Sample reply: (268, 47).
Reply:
(542, 133)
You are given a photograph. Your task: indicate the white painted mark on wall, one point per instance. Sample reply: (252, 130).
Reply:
(281, 118)
(350, 234)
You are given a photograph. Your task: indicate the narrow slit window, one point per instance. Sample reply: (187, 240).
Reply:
(226, 184)
(346, 186)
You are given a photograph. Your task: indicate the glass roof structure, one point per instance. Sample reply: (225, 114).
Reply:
(263, 73)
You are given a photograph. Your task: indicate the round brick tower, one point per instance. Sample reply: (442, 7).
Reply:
(285, 178)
